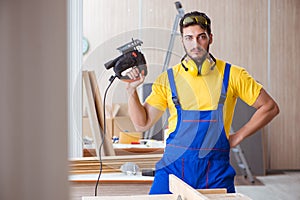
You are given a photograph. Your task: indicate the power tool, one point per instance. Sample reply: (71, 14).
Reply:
(131, 57)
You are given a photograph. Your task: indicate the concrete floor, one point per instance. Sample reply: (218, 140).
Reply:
(285, 185)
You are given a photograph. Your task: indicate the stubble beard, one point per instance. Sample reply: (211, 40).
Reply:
(199, 59)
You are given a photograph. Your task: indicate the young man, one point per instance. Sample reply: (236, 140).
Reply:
(200, 93)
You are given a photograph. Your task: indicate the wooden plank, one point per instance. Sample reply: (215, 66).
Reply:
(111, 163)
(228, 196)
(212, 191)
(126, 151)
(186, 192)
(130, 157)
(126, 157)
(108, 163)
(92, 114)
(178, 187)
(116, 108)
(137, 197)
(107, 145)
(97, 97)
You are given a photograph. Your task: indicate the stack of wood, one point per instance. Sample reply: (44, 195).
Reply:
(90, 165)
(95, 114)
(110, 162)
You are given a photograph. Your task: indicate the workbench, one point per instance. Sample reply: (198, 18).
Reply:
(180, 191)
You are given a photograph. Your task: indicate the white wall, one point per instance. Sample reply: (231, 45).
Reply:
(33, 102)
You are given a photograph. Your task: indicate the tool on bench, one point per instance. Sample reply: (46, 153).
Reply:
(148, 172)
(131, 57)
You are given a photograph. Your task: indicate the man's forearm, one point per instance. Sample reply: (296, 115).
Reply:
(267, 109)
(261, 118)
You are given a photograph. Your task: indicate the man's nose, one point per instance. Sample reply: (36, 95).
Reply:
(195, 42)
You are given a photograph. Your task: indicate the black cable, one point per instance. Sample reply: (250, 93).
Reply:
(111, 79)
(185, 68)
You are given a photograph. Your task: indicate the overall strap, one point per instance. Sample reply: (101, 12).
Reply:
(173, 87)
(225, 83)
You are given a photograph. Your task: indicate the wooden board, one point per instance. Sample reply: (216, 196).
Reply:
(91, 110)
(97, 97)
(213, 191)
(228, 196)
(137, 197)
(178, 187)
(127, 151)
(89, 165)
(107, 145)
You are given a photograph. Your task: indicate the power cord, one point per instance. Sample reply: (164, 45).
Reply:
(111, 79)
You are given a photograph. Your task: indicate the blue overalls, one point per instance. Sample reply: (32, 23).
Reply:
(198, 150)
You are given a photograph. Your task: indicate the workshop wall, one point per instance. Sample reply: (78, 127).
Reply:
(258, 35)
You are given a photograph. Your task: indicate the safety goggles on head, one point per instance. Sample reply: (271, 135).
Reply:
(195, 20)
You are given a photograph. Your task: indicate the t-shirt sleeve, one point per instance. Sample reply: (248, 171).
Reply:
(245, 86)
(158, 95)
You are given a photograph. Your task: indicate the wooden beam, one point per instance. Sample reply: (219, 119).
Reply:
(213, 191)
(89, 165)
(107, 145)
(137, 197)
(178, 187)
(228, 196)
(97, 97)
(92, 114)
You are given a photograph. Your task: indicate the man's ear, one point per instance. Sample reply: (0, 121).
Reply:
(210, 38)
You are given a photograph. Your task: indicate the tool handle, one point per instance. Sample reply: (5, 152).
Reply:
(142, 69)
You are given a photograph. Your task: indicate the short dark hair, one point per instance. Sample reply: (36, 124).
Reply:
(195, 18)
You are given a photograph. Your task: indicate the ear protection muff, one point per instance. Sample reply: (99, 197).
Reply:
(208, 65)
(193, 69)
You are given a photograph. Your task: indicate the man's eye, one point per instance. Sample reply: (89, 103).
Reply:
(188, 38)
(202, 37)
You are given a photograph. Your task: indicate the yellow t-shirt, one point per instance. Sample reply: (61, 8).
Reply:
(203, 92)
